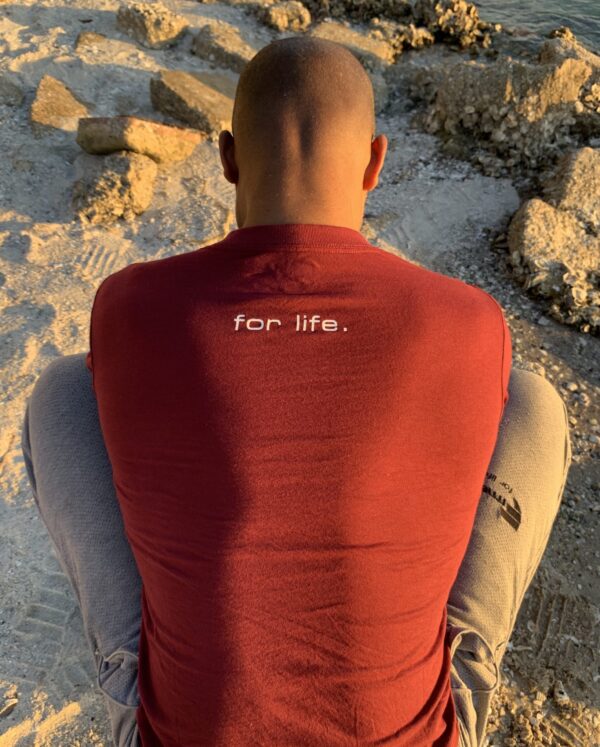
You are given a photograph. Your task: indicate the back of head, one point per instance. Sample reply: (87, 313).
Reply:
(302, 99)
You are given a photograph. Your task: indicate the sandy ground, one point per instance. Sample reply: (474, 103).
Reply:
(433, 210)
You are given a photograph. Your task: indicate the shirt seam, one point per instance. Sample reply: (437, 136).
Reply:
(500, 311)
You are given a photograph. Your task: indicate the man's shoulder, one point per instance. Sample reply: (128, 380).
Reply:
(436, 290)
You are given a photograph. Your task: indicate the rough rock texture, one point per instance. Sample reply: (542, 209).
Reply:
(587, 114)
(186, 97)
(151, 24)
(88, 39)
(520, 112)
(575, 186)
(222, 45)
(54, 106)
(10, 93)
(290, 15)
(106, 188)
(453, 20)
(401, 36)
(163, 143)
(555, 248)
(374, 54)
(359, 10)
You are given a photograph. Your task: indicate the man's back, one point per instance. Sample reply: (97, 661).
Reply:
(299, 425)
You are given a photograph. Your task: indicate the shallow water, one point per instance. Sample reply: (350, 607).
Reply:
(541, 16)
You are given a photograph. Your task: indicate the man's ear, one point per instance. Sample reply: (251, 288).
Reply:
(227, 154)
(378, 151)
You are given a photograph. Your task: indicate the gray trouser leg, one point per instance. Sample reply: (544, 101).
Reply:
(521, 495)
(71, 480)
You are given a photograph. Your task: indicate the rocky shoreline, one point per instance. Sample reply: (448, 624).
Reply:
(108, 120)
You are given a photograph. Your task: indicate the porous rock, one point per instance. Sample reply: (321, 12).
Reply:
(188, 98)
(222, 45)
(555, 248)
(163, 143)
(106, 188)
(151, 24)
(575, 186)
(453, 20)
(400, 36)
(55, 106)
(523, 112)
(359, 10)
(290, 15)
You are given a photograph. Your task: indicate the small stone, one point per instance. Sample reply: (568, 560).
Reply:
(222, 44)
(54, 106)
(163, 143)
(119, 185)
(285, 16)
(88, 39)
(151, 24)
(8, 706)
(186, 97)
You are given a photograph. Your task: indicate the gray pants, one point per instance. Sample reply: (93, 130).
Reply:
(71, 480)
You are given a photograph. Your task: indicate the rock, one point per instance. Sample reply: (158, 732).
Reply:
(374, 54)
(189, 99)
(120, 185)
(359, 10)
(575, 186)
(587, 116)
(10, 92)
(284, 16)
(560, 48)
(54, 106)
(453, 20)
(151, 24)
(222, 45)
(401, 36)
(522, 112)
(163, 143)
(553, 252)
(88, 39)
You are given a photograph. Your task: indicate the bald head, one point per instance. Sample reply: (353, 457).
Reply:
(299, 94)
(302, 146)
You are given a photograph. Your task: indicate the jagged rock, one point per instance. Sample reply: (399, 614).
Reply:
(151, 24)
(522, 112)
(566, 46)
(188, 98)
(106, 188)
(555, 248)
(290, 15)
(163, 143)
(54, 106)
(454, 20)
(575, 186)
(359, 10)
(374, 54)
(400, 36)
(88, 39)
(556, 49)
(222, 45)
(10, 92)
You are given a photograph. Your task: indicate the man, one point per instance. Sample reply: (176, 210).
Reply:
(298, 426)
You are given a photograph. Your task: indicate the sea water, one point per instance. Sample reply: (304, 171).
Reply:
(541, 16)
